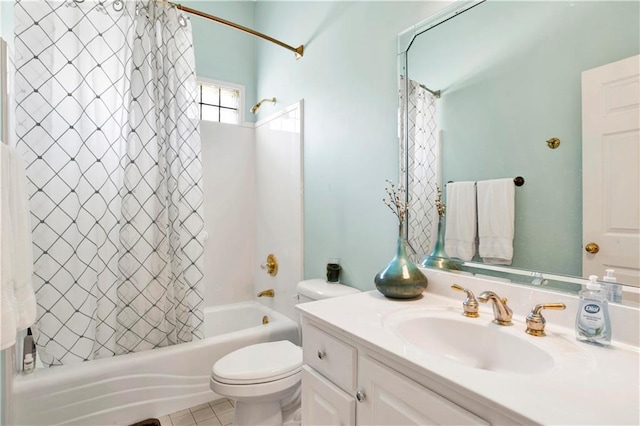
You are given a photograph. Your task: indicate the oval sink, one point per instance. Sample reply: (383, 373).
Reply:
(476, 344)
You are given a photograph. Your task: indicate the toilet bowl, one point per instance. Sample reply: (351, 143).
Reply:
(260, 379)
(264, 379)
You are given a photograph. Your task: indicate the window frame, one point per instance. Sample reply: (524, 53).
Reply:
(224, 84)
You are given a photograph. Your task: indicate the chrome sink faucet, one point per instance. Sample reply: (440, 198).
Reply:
(501, 312)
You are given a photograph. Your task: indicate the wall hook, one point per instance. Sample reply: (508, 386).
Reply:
(553, 143)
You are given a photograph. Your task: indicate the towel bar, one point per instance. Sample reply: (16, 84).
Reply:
(517, 181)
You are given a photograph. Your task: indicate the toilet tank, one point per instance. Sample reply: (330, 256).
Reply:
(318, 289)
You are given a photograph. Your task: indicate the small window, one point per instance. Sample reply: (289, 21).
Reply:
(220, 102)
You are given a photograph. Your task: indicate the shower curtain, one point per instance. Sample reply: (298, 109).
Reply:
(420, 163)
(107, 123)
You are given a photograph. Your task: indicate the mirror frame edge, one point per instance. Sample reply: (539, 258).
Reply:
(405, 40)
(406, 37)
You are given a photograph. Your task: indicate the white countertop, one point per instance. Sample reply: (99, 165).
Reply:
(587, 385)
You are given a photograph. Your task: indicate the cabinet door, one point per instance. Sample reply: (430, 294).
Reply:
(393, 399)
(323, 403)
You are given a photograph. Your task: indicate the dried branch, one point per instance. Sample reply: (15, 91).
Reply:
(395, 203)
(439, 204)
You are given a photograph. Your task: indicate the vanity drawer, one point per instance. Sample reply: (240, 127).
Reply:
(330, 357)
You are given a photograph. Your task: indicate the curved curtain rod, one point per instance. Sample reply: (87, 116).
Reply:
(435, 93)
(297, 50)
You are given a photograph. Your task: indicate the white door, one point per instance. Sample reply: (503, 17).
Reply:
(610, 170)
(389, 398)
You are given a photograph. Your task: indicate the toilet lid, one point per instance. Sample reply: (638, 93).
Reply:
(318, 289)
(260, 363)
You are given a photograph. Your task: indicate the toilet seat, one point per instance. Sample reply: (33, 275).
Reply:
(259, 363)
(263, 392)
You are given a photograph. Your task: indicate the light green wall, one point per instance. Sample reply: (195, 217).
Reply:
(498, 114)
(348, 79)
(6, 20)
(223, 53)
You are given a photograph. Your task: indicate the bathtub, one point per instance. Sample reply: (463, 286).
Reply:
(128, 388)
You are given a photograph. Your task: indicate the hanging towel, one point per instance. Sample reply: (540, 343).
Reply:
(496, 212)
(460, 232)
(21, 244)
(7, 298)
(18, 302)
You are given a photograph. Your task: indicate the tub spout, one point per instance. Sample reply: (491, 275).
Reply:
(267, 293)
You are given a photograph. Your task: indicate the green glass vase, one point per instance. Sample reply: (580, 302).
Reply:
(438, 257)
(401, 278)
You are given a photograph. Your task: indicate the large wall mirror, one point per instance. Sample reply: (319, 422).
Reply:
(502, 79)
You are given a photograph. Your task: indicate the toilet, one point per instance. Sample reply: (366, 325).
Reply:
(264, 379)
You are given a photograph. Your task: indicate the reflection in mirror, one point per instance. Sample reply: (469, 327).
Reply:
(484, 86)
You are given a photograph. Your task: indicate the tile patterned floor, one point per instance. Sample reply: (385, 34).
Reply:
(214, 413)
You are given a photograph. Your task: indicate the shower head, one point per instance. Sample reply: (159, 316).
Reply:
(256, 107)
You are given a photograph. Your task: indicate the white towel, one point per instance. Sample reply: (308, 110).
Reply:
(7, 298)
(460, 232)
(496, 212)
(22, 244)
(18, 302)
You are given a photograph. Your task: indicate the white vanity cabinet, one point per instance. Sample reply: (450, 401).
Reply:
(328, 379)
(388, 398)
(343, 385)
(371, 360)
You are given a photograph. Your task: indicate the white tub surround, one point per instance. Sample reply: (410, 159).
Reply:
(385, 375)
(129, 388)
(279, 200)
(229, 212)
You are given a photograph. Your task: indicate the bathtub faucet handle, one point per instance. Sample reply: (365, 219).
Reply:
(271, 265)
(267, 293)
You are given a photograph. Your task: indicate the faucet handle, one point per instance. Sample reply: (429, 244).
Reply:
(470, 304)
(535, 320)
(271, 265)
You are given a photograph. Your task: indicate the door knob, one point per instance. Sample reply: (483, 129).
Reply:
(592, 248)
